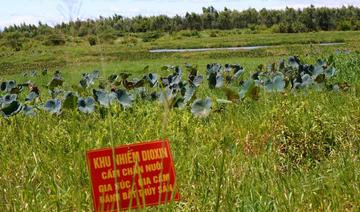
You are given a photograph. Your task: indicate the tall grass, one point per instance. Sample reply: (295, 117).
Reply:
(294, 151)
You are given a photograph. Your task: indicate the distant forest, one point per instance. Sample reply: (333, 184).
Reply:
(287, 20)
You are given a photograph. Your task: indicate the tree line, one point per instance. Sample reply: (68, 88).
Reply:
(288, 20)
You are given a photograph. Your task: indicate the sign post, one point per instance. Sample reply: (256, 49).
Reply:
(144, 175)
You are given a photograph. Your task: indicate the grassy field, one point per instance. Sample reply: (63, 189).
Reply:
(284, 152)
(130, 48)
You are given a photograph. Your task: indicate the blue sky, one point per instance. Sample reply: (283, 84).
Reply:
(56, 11)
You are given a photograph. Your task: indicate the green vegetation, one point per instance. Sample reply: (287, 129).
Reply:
(78, 52)
(264, 149)
(249, 21)
(54, 40)
(289, 20)
(92, 40)
(288, 150)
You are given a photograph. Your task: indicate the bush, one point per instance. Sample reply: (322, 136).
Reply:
(151, 36)
(92, 40)
(295, 27)
(299, 27)
(83, 31)
(249, 31)
(213, 34)
(261, 28)
(54, 40)
(193, 33)
(252, 27)
(344, 26)
(129, 40)
(14, 40)
(356, 25)
(275, 28)
(282, 28)
(108, 36)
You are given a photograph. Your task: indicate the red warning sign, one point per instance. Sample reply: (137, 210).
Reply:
(144, 175)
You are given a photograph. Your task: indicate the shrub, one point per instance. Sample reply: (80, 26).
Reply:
(252, 27)
(92, 40)
(284, 28)
(261, 28)
(151, 36)
(299, 27)
(14, 40)
(295, 27)
(275, 28)
(108, 36)
(249, 31)
(213, 34)
(83, 31)
(356, 25)
(193, 33)
(344, 26)
(129, 40)
(54, 40)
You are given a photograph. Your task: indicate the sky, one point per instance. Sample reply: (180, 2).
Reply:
(57, 11)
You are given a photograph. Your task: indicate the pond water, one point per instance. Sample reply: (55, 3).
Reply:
(228, 48)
